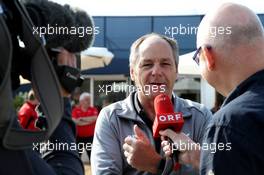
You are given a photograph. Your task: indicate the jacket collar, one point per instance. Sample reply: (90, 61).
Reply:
(130, 108)
(254, 80)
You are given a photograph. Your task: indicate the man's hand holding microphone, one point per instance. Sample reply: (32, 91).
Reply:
(142, 155)
(185, 156)
(172, 137)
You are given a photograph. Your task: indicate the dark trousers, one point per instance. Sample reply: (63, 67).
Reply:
(84, 144)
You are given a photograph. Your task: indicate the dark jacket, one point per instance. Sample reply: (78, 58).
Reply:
(238, 130)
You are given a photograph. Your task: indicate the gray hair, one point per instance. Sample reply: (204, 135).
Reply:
(84, 95)
(134, 53)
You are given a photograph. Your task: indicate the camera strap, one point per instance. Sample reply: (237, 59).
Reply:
(43, 79)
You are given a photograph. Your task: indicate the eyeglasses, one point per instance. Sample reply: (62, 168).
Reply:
(196, 54)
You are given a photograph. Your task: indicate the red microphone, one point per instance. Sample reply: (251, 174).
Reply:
(166, 118)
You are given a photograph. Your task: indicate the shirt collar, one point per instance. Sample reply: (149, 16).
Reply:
(130, 108)
(137, 105)
(178, 107)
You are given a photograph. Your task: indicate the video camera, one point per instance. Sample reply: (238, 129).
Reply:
(25, 52)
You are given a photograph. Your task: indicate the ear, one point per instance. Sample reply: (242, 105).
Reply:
(131, 70)
(209, 58)
(177, 66)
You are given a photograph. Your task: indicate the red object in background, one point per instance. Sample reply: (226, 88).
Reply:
(85, 130)
(28, 116)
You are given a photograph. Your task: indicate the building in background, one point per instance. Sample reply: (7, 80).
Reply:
(117, 33)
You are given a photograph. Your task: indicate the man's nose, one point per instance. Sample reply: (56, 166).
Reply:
(156, 70)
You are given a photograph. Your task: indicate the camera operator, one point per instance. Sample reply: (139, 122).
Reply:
(32, 61)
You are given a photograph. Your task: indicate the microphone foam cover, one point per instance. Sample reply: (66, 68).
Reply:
(163, 104)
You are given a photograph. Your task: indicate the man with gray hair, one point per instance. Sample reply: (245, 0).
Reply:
(153, 68)
(84, 117)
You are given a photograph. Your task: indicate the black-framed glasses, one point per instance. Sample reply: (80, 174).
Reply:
(197, 53)
(195, 56)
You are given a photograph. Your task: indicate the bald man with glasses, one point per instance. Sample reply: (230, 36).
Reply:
(233, 63)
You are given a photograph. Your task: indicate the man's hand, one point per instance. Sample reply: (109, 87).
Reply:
(140, 153)
(189, 150)
(84, 120)
(89, 119)
(167, 148)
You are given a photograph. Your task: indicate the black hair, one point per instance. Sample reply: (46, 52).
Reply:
(62, 19)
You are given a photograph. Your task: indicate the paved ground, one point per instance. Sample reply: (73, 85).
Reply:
(87, 169)
(87, 166)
